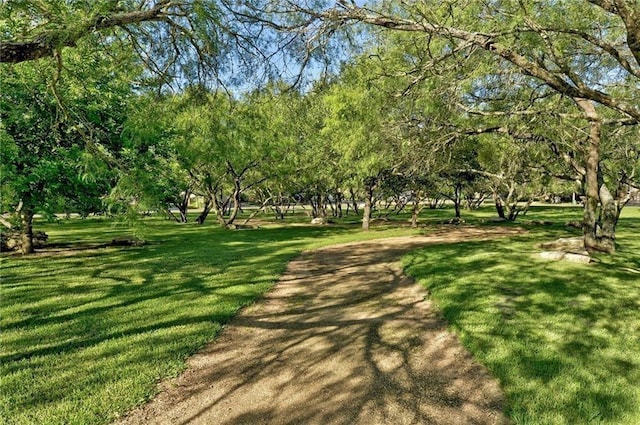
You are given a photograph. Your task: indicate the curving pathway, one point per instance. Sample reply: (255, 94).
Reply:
(343, 338)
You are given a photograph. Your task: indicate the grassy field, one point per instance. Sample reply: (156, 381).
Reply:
(563, 339)
(85, 334)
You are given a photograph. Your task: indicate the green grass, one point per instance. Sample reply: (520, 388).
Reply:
(562, 338)
(87, 334)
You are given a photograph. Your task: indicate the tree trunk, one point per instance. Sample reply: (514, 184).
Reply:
(457, 200)
(323, 204)
(415, 210)
(368, 202)
(257, 211)
(183, 207)
(26, 232)
(235, 197)
(208, 204)
(170, 215)
(183, 215)
(6, 223)
(219, 206)
(354, 202)
(339, 204)
(334, 211)
(609, 216)
(497, 200)
(596, 237)
(315, 207)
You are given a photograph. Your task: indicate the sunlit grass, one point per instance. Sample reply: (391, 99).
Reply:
(87, 334)
(562, 338)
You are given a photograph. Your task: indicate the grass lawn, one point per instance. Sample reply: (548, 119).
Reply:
(87, 334)
(562, 338)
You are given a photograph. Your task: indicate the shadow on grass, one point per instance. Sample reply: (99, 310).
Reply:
(59, 309)
(562, 338)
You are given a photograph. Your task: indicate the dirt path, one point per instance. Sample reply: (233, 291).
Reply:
(344, 338)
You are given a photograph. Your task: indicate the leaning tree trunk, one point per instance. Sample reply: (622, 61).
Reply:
(26, 232)
(183, 207)
(219, 205)
(208, 205)
(598, 227)
(338, 210)
(354, 202)
(237, 191)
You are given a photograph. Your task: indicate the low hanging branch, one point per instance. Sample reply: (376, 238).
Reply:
(564, 81)
(45, 44)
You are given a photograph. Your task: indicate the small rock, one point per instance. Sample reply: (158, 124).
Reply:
(582, 258)
(552, 255)
(496, 219)
(577, 258)
(319, 220)
(575, 245)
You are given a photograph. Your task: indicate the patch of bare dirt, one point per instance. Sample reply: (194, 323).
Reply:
(343, 338)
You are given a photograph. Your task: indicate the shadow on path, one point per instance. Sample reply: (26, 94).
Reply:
(344, 338)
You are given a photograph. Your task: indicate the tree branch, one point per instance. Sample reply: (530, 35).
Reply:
(45, 44)
(490, 43)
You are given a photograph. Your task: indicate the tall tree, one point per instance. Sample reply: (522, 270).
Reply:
(59, 130)
(586, 51)
(357, 112)
(227, 145)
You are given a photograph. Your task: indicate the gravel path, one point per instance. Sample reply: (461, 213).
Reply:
(344, 338)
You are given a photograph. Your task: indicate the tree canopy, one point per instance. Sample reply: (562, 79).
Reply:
(426, 101)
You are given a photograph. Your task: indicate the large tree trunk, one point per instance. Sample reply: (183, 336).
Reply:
(598, 227)
(26, 231)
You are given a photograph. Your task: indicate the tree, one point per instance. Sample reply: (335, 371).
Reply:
(584, 51)
(40, 29)
(149, 173)
(59, 131)
(227, 146)
(358, 124)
